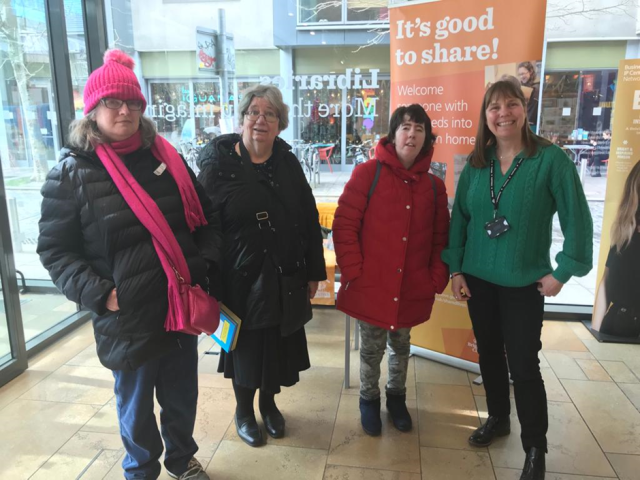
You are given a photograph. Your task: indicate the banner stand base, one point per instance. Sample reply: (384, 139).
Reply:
(447, 360)
(478, 381)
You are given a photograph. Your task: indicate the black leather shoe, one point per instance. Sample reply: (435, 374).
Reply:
(370, 416)
(249, 431)
(534, 465)
(397, 408)
(493, 427)
(273, 423)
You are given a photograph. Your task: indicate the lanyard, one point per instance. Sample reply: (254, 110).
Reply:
(496, 199)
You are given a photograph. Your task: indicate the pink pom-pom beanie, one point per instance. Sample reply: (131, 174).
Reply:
(114, 79)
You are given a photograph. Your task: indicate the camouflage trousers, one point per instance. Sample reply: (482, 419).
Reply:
(373, 341)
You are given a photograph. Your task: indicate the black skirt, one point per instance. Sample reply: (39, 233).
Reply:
(264, 359)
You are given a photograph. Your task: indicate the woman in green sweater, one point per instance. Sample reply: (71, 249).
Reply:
(499, 245)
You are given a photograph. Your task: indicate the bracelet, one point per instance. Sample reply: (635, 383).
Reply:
(456, 274)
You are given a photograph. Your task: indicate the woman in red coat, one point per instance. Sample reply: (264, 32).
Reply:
(388, 235)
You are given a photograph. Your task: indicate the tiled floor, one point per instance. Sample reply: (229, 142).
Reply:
(58, 419)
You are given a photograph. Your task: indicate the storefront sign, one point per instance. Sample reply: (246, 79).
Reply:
(351, 79)
(206, 47)
(228, 55)
(444, 54)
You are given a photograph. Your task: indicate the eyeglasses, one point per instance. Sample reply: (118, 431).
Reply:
(115, 104)
(253, 116)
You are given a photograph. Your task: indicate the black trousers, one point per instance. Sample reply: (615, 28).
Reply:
(511, 318)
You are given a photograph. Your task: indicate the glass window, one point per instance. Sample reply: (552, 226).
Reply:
(29, 148)
(77, 52)
(170, 107)
(576, 111)
(559, 106)
(320, 11)
(596, 100)
(370, 120)
(207, 110)
(358, 11)
(319, 115)
(367, 11)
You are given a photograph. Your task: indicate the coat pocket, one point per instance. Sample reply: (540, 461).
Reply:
(295, 302)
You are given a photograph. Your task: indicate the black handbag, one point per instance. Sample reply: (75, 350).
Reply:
(621, 321)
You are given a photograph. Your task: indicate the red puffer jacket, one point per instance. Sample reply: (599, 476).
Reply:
(389, 251)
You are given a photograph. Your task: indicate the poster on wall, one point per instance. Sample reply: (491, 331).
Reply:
(444, 54)
(616, 312)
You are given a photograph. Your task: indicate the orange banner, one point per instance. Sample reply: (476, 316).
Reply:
(444, 54)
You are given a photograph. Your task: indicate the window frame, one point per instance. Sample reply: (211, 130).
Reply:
(343, 24)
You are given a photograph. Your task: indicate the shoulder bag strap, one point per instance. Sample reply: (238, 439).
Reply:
(376, 177)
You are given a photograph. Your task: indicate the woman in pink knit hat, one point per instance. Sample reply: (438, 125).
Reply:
(125, 229)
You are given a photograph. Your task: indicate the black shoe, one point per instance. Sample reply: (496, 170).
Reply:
(397, 408)
(370, 416)
(249, 431)
(534, 467)
(273, 423)
(493, 427)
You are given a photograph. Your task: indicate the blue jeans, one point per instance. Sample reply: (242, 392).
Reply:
(175, 380)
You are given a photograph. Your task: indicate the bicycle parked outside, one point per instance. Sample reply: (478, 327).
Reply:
(190, 151)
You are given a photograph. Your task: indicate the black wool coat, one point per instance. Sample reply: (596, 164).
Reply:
(91, 241)
(250, 284)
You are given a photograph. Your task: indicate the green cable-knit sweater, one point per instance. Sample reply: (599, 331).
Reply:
(545, 183)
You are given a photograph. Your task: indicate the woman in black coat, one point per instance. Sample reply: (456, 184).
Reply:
(101, 255)
(271, 234)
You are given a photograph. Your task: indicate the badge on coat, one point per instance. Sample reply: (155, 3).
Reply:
(160, 170)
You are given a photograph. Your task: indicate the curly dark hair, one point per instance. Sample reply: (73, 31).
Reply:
(417, 114)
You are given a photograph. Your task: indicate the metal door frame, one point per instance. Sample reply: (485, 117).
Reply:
(18, 362)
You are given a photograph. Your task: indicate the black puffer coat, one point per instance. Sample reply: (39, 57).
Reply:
(91, 241)
(250, 283)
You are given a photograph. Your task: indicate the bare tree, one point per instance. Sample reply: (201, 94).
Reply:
(589, 9)
(563, 10)
(16, 37)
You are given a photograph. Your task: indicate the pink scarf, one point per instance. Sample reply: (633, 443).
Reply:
(145, 208)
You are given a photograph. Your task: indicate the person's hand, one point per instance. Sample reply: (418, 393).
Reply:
(549, 286)
(112, 301)
(460, 289)
(313, 288)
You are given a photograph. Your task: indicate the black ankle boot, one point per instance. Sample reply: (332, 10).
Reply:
(370, 416)
(493, 427)
(397, 408)
(534, 465)
(249, 431)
